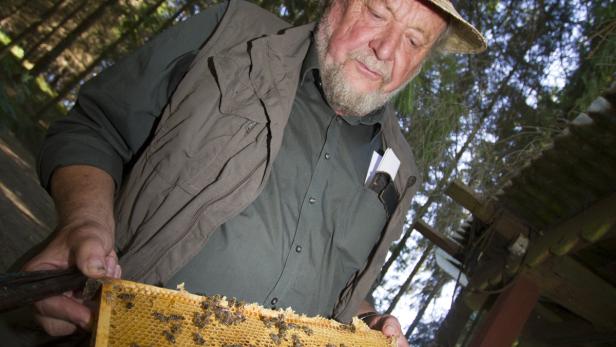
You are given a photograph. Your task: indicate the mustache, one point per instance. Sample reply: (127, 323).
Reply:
(378, 66)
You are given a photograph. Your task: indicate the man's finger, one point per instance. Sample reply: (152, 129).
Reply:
(390, 326)
(111, 262)
(65, 309)
(91, 257)
(56, 327)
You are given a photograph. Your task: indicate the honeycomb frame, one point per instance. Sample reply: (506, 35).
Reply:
(139, 315)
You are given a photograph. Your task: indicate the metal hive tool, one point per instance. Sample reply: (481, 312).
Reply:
(133, 314)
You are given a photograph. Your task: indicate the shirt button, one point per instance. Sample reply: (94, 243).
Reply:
(327, 156)
(312, 200)
(274, 301)
(298, 249)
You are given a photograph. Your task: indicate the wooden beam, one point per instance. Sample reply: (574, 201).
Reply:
(508, 315)
(438, 238)
(575, 287)
(585, 228)
(566, 333)
(505, 223)
(465, 196)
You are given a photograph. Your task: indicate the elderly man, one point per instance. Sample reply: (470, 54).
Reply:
(231, 153)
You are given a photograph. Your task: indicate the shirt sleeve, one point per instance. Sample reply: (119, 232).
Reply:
(116, 111)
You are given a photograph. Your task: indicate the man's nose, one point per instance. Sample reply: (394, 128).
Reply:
(386, 43)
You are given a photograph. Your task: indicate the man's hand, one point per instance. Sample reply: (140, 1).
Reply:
(81, 246)
(84, 238)
(389, 326)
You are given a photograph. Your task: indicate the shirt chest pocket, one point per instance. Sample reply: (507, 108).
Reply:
(363, 226)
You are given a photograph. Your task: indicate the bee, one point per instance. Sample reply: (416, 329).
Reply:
(349, 327)
(282, 328)
(175, 317)
(169, 336)
(198, 339)
(222, 315)
(205, 305)
(239, 317)
(126, 296)
(176, 328)
(216, 298)
(231, 302)
(296, 341)
(200, 320)
(275, 338)
(160, 317)
(267, 321)
(330, 345)
(307, 330)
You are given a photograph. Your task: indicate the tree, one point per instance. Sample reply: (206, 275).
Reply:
(32, 49)
(407, 283)
(104, 55)
(432, 291)
(33, 28)
(43, 63)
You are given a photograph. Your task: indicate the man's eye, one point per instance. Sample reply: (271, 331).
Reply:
(375, 14)
(414, 42)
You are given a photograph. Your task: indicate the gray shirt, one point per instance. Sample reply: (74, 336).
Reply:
(313, 225)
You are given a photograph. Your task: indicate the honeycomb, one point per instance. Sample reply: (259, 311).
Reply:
(138, 315)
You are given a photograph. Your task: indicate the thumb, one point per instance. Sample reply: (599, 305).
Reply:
(390, 329)
(90, 255)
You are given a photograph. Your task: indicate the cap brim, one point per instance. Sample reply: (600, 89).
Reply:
(463, 37)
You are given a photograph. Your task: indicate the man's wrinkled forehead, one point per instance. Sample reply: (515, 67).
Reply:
(399, 6)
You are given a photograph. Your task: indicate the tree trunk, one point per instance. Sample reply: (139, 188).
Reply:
(104, 55)
(424, 307)
(405, 286)
(32, 28)
(44, 63)
(452, 327)
(28, 55)
(14, 9)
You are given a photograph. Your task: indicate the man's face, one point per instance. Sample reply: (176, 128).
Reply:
(370, 49)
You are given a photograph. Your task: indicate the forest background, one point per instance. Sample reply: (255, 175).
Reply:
(477, 118)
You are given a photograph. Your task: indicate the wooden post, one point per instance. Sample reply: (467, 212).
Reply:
(508, 315)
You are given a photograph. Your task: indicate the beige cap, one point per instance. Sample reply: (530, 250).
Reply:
(463, 37)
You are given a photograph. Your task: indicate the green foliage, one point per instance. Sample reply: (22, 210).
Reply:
(597, 60)
(430, 110)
